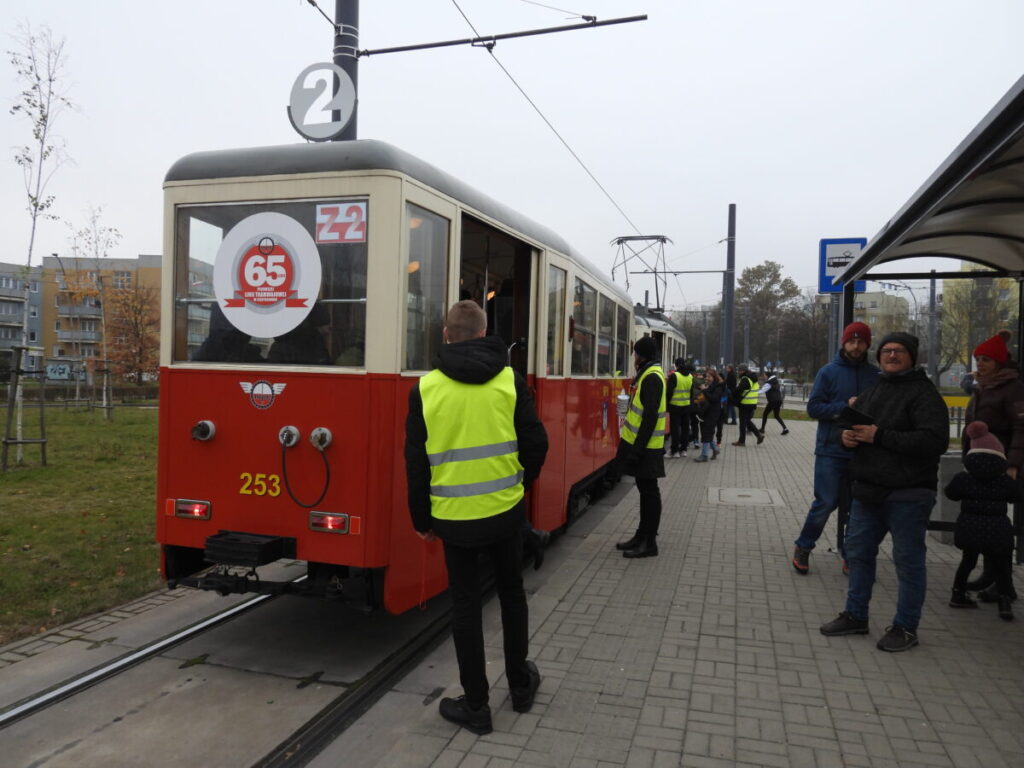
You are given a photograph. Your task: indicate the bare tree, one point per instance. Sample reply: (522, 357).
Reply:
(39, 63)
(93, 243)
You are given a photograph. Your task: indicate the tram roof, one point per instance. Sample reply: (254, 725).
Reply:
(366, 155)
(972, 206)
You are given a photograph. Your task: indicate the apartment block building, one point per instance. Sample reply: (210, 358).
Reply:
(73, 292)
(13, 279)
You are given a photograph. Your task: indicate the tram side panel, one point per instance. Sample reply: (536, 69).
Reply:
(551, 488)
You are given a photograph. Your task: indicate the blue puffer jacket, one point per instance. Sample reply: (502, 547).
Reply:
(834, 385)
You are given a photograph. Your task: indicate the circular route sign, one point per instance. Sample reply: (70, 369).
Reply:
(267, 274)
(314, 101)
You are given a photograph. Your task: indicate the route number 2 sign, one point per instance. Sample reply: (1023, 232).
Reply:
(340, 223)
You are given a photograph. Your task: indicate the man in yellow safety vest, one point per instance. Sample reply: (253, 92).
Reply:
(746, 392)
(680, 387)
(473, 445)
(642, 446)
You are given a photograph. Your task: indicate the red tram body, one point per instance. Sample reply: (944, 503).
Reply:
(307, 286)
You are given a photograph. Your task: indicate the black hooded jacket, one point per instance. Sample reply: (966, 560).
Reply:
(475, 361)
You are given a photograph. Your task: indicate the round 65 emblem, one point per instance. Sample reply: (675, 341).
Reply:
(267, 274)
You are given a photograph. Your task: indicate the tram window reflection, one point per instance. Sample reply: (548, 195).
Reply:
(334, 331)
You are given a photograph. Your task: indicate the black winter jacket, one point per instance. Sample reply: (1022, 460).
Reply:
(636, 458)
(983, 491)
(913, 432)
(476, 361)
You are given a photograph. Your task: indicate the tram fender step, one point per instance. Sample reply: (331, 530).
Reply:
(247, 549)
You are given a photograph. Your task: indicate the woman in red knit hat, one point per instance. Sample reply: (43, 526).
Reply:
(998, 401)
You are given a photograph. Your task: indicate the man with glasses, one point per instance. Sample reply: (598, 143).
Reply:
(895, 470)
(836, 386)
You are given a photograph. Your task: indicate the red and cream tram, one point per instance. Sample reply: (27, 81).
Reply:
(306, 287)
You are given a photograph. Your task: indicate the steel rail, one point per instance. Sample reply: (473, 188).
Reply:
(68, 689)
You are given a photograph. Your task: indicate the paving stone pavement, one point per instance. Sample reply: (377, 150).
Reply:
(709, 655)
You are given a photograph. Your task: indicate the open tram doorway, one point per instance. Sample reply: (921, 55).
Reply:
(495, 271)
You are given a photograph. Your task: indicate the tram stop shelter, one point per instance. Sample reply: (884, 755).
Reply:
(970, 209)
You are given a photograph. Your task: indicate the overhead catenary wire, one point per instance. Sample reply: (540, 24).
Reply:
(572, 14)
(579, 160)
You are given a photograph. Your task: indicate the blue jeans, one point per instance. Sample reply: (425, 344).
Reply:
(831, 484)
(907, 521)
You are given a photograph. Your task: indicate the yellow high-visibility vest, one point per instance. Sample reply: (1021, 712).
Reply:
(681, 394)
(635, 412)
(472, 446)
(750, 396)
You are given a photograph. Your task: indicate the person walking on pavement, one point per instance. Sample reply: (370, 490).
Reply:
(773, 396)
(895, 471)
(473, 446)
(836, 386)
(746, 395)
(680, 386)
(730, 389)
(642, 447)
(711, 391)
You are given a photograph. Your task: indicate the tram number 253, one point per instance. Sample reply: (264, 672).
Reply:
(259, 484)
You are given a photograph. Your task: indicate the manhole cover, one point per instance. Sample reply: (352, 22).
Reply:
(746, 497)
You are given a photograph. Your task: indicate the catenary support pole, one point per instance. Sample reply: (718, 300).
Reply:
(346, 46)
(728, 288)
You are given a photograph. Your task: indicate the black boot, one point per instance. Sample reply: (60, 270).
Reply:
(630, 543)
(647, 547)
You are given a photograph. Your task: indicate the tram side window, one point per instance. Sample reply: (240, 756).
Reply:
(427, 271)
(622, 350)
(584, 315)
(605, 336)
(265, 308)
(556, 321)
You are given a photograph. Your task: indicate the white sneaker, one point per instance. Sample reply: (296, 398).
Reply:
(682, 455)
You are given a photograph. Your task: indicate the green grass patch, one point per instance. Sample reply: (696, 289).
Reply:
(77, 536)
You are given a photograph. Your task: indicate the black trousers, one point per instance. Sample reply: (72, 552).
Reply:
(464, 585)
(1000, 565)
(747, 422)
(769, 409)
(650, 506)
(679, 425)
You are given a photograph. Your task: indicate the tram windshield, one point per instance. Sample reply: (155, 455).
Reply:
(281, 283)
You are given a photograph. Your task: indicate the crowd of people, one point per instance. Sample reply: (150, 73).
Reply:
(881, 432)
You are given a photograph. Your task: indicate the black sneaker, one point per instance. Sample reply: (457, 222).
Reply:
(801, 560)
(897, 639)
(522, 698)
(960, 599)
(459, 712)
(844, 624)
(785, 431)
(1005, 608)
(760, 438)
(622, 546)
(991, 595)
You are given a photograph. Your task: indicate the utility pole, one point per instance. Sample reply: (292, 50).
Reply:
(728, 286)
(346, 50)
(933, 333)
(746, 333)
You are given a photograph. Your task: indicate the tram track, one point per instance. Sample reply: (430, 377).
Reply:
(309, 740)
(76, 685)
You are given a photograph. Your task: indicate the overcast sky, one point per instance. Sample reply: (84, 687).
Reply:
(817, 118)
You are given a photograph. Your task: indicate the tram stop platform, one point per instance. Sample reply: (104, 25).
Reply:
(709, 655)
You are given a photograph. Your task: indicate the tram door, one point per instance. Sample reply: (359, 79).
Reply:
(495, 272)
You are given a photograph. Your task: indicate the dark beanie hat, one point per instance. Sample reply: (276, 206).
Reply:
(994, 348)
(856, 331)
(904, 339)
(646, 347)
